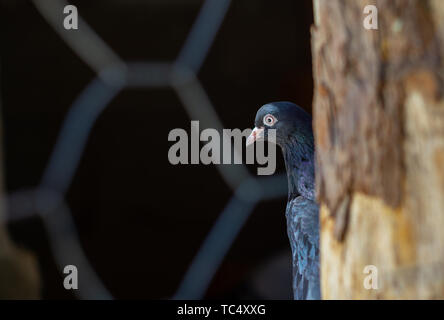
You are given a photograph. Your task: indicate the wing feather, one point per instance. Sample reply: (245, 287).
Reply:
(303, 231)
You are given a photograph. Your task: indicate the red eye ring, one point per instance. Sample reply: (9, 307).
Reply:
(269, 120)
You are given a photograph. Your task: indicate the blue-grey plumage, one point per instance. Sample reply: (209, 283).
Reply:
(303, 233)
(294, 135)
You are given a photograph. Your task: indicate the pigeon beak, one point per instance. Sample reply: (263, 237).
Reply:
(256, 135)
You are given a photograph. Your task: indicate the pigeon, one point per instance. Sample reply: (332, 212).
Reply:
(294, 135)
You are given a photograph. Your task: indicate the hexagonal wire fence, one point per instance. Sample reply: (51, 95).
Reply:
(112, 76)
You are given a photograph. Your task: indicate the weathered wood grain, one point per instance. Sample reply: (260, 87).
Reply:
(379, 130)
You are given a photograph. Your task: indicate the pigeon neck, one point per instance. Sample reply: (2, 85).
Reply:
(299, 162)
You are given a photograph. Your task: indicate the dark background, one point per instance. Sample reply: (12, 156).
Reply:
(140, 219)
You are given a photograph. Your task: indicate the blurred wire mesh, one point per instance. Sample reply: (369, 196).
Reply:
(112, 76)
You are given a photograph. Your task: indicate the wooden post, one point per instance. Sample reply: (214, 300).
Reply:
(379, 130)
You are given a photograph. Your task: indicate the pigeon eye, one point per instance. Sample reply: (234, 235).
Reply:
(269, 120)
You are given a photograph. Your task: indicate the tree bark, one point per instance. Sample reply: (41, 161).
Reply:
(379, 131)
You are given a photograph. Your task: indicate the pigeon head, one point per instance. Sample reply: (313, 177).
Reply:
(291, 122)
